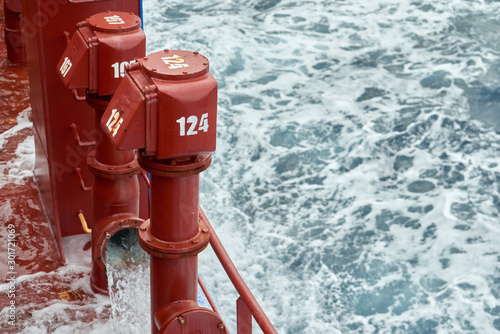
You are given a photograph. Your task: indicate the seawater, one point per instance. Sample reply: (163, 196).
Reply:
(356, 178)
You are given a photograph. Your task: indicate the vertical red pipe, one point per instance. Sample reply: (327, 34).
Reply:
(16, 49)
(174, 207)
(110, 194)
(174, 218)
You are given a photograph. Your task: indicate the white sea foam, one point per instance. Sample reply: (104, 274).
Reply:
(22, 165)
(22, 122)
(348, 163)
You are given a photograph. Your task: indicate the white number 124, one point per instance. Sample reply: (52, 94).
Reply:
(193, 121)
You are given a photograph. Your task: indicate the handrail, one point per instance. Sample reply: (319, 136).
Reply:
(237, 280)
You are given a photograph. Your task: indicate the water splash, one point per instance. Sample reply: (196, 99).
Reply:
(127, 267)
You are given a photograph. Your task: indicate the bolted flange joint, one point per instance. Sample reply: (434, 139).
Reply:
(112, 172)
(174, 250)
(175, 167)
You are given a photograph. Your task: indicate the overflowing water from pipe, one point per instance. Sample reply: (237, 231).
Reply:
(127, 266)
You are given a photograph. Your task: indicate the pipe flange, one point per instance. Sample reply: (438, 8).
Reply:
(178, 167)
(173, 250)
(112, 171)
(105, 228)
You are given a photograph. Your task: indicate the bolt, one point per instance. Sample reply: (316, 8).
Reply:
(194, 242)
(154, 69)
(130, 166)
(149, 240)
(166, 50)
(145, 58)
(205, 64)
(184, 72)
(221, 326)
(143, 229)
(181, 320)
(96, 25)
(170, 246)
(205, 230)
(196, 52)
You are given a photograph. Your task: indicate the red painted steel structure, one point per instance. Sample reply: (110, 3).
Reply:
(103, 43)
(61, 160)
(171, 98)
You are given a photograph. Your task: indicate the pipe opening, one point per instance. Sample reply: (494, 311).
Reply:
(123, 249)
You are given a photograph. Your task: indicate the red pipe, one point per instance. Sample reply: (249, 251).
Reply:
(101, 44)
(115, 189)
(174, 207)
(172, 236)
(166, 106)
(174, 218)
(14, 39)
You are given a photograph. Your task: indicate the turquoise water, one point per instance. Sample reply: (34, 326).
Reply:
(356, 178)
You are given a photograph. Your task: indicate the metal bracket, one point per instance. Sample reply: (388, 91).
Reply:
(82, 183)
(80, 143)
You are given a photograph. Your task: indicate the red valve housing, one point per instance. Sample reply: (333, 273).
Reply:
(166, 104)
(89, 61)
